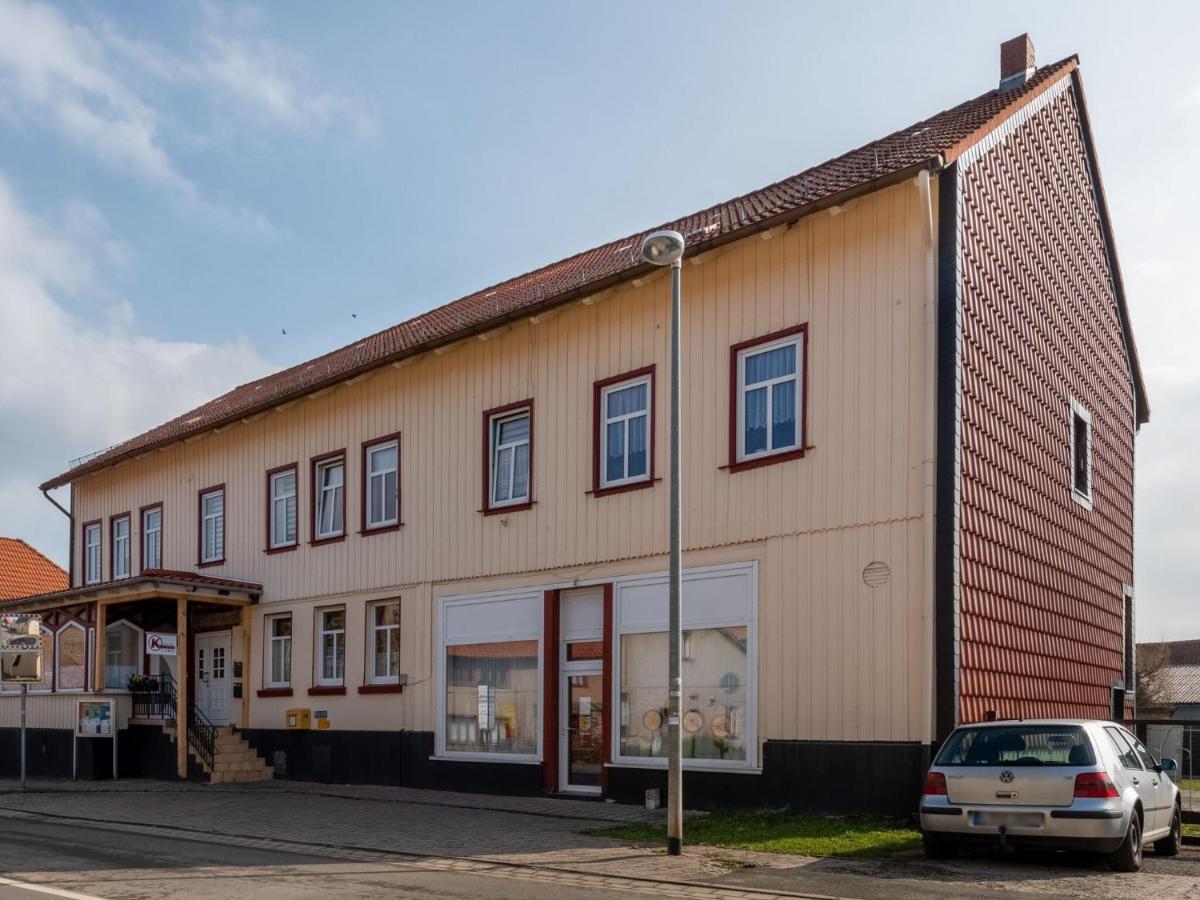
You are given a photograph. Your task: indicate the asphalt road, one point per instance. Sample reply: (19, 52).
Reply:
(40, 859)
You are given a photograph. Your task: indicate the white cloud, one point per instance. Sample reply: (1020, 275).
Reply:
(72, 385)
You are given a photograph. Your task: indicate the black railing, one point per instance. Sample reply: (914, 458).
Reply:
(156, 697)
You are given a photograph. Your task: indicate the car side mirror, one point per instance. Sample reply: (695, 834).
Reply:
(1168, 765)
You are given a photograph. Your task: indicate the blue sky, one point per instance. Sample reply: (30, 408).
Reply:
(182, 182)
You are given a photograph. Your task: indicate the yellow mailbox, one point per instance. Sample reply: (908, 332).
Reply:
(299, 718)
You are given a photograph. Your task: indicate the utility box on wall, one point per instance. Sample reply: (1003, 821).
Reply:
(298, 718)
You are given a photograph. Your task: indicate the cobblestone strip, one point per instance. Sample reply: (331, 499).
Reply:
(557, 874)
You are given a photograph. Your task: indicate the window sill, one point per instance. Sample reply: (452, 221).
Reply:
(210, 563)
(501, 510)
(463, 756)
(689, 765)
(380, 529)
(768, 460)
(381, 689)
(275, 692)
(332, 539)
(623, 488)
(284, 549)
(1082, 499)
(327, 690)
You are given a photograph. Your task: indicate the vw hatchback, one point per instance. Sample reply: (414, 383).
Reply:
(1063, 785)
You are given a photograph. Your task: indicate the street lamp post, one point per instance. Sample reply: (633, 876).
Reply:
(665, 248)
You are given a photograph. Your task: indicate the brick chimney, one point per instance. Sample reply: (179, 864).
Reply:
(1017, 62)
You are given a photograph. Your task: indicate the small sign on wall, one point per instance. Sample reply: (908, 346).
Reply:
(159, 644)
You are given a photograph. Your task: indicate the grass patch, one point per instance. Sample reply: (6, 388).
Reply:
(1189, 784)
(1190, 830)
(785, 831)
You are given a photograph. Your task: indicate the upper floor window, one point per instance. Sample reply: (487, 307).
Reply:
(212, 526)
(279, 651)
(510, 457)
(331, 646)
(281, 525)
(152, 538)
(119, 559)
(91, 552)
(768, 388)
(329, 496)
(381, 484)
(384, 652)
(625, 429)
(1081, 454)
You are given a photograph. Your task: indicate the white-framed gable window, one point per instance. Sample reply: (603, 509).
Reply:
(283, 508)
(625, 431)
(770, 393)
(123, 652)
(120, 547)
(511, 442)
(91, 553)
(279, 651)
(212, 526)
(1081, 454)
(381, 463)
(329, 493)
(331, 646)
(152, 538)
(70, 658)
(383, 620)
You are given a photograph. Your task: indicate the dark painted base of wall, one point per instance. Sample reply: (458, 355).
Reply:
(346, 757)
(144, 751)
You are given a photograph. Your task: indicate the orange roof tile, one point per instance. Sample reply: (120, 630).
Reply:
(25, 572)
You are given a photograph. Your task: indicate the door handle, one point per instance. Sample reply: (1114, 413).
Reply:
(1135, 781)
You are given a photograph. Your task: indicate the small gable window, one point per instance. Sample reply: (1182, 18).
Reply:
(1081, 454)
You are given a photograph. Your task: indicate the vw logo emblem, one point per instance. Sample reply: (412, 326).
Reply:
(1007, 776)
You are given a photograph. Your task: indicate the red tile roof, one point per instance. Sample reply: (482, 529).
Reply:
(883, 161)
(24, 571)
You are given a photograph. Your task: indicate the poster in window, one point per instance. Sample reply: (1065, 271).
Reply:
(95, 718)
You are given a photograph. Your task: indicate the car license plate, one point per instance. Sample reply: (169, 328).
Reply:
(1012, 820)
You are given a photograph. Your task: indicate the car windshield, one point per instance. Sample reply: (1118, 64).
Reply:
(1018, 745)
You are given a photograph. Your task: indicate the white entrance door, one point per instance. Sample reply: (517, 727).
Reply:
(214, 684)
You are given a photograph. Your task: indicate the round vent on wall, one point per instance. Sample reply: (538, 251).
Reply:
(876, 574)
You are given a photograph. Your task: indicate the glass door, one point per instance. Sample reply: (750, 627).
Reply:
(583, 714)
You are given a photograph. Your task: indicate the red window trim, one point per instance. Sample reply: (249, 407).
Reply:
(327, 690)
(294, 467)
(381, 689)
(162, 529)
(366, 447)
(598, 488)
(200, 563)
(275, 692)
(112, 545)
(769, 459)
(266, 658)
(312, 506)
(83, 545)
(488, 415)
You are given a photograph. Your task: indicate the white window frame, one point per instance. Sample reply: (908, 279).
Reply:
(501, 636)
(606, 420)
(796, 340)
(321, 496)
(494, 423)
(206, 556)
(321, 632)
(276, 499)
(1077, 409)
(157, 532)
(93, 553)
(57, 654)
(272, 639)
(369, 476)
(122, 562)
(693, 620)
(372, 630)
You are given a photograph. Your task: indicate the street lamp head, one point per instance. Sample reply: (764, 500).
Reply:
(662, 248)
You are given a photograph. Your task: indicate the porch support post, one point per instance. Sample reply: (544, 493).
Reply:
(247, 618)
(181, 642)
(100, 647)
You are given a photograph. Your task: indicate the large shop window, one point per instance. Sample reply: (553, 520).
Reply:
(718, 668)
(491, 652)
(123, 655)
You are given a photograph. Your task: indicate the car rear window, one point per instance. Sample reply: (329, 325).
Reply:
(1018, 745)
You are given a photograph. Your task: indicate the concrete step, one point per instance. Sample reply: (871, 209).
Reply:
(264, 774)
(237, 756)
(247, 766)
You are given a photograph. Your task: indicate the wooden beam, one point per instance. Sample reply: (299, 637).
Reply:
(101, 647)
(181, 687)
(247, 618)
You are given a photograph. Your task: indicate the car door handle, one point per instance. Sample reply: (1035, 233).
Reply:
(1135, 781)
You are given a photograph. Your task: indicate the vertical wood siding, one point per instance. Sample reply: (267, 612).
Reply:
(838, 659)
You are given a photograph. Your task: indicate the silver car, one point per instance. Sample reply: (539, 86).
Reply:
(1064, 785)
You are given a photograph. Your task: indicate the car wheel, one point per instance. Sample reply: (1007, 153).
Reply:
(1128, 857)
(935, 848)
(1169, 846)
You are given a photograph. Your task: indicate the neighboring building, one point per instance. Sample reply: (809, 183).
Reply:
(25, 571)
(1168, 690)
(911, 395)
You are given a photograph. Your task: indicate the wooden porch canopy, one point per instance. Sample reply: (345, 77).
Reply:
(152, 584)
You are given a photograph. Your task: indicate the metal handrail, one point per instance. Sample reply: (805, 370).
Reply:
(160, 700)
